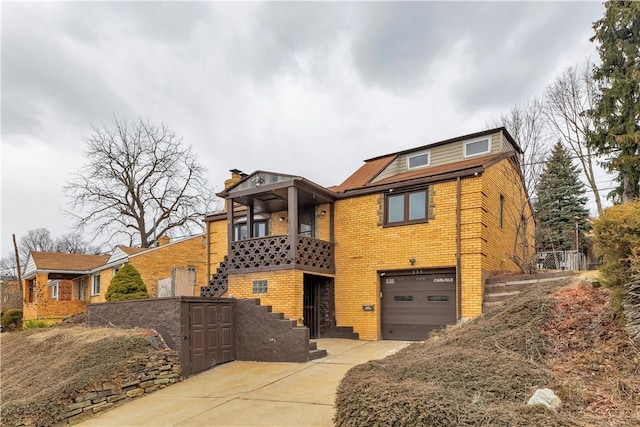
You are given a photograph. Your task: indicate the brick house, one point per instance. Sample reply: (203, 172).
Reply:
(401, 247)
(57, 285)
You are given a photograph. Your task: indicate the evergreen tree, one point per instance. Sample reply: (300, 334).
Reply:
(617, 110)
(560, 204)
(126, 284)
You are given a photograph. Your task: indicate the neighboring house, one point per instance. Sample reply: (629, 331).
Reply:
(171, 268)
(401, 247)
(57, 285)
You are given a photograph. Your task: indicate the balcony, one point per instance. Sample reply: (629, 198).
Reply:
(277, 252)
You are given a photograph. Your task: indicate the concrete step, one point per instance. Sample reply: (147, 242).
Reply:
(317, 354)
(498, 297)
(502, 287)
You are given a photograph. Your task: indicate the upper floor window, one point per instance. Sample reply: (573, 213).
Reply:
(260, 229)
(418, 160)
(406, 208)
(95, 285)
(475, 148)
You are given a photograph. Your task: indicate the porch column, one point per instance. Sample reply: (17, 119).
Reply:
(230, 226)
(292, 210)
(250, 220)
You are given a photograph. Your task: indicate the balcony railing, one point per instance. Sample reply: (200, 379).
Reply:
(274, 253)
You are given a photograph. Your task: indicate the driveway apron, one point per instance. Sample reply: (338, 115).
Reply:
(253, 393)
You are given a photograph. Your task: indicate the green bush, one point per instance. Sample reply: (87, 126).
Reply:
(616, 237)
(126, 284)
(11, 319)
(35, 323)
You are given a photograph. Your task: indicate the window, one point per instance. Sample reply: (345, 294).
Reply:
(95, 285)
(406, 208)
(260, 229)
(418, 160)
(307, 223)
(501, 211)
(81, 289)
(260, 287)
(54, 289)
(474, 148)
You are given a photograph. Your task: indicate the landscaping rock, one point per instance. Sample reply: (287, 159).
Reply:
(546, 397)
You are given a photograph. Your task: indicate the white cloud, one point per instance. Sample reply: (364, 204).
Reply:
(303, 88)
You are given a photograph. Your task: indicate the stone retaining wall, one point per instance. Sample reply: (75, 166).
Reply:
(145, 375)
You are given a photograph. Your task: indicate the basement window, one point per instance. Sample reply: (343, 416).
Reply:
(260, 286)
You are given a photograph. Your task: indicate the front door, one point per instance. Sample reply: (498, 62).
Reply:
(310, 305)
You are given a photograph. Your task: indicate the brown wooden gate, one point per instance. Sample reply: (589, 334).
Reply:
(209, 337)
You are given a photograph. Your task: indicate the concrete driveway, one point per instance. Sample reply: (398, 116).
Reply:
(253, 393)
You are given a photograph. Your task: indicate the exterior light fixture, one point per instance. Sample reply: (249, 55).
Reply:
(412, 261)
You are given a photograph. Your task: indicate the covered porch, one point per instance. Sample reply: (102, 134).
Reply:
(277, 221)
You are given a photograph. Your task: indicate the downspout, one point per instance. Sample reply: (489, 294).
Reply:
(458, 250)
(208, 252)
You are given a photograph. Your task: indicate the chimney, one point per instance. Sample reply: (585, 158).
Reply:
(236, 176)
(164, 240)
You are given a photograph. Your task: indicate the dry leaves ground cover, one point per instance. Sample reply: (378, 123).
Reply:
(483, 372)
(42, 368)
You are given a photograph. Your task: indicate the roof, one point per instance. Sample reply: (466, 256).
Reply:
(131, 251)
(355, 182)
(67, 262)
(365, 174)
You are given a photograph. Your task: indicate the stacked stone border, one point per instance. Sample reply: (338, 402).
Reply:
(147, 374)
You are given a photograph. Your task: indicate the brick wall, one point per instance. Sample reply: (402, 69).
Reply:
(285, 290)
(157, 263)
(44, 307)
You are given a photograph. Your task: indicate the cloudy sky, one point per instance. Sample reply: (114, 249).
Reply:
(301, 88)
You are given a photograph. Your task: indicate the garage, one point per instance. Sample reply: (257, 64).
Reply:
(416, 302)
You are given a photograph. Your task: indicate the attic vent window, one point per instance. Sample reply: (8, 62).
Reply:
(418, 160)
(475, 148)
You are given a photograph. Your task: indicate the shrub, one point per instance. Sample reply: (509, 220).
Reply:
(35, 323)
(616, 236)
(11, 320)
(126, 284)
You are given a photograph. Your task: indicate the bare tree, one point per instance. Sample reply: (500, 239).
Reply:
(568, 101)
(138, 182)
(40, 240)
(36, 240)
(527, 125)
(72, 243)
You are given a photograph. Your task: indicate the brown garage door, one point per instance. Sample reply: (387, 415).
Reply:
(415, 303)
